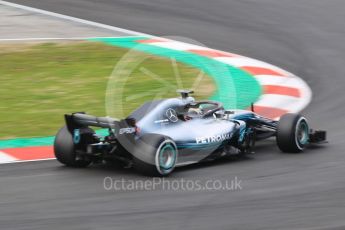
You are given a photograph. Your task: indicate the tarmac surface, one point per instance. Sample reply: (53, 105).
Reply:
(20, 24)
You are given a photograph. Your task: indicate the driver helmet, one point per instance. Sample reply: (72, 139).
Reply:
(194, 112)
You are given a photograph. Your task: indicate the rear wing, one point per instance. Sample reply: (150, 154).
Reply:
(80, 120)
(77, 120)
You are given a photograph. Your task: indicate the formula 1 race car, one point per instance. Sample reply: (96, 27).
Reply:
(163, 134)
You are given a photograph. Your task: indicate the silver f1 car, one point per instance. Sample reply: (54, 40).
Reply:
(163, 134)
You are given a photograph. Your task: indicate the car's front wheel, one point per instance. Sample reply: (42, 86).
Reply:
(292, 133)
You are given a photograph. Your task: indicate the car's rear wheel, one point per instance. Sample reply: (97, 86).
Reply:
(292, 133)
(155, 155)
(64, 149)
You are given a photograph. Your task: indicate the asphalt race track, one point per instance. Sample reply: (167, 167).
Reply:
(280, 191)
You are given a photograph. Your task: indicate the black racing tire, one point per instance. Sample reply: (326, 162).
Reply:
(155, 155)
(292, 133)
(64, 150)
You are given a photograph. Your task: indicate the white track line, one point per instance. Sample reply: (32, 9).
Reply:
(64, 38)
(23, 161)
(182, 46)
(74, 19)
(246, 61)
(5, 158)
(291, 104)
(292, 82)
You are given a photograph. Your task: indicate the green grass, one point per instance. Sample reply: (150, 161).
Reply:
(41, 82)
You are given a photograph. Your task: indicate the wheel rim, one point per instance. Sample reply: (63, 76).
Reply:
(166, 157)
(302, 133)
